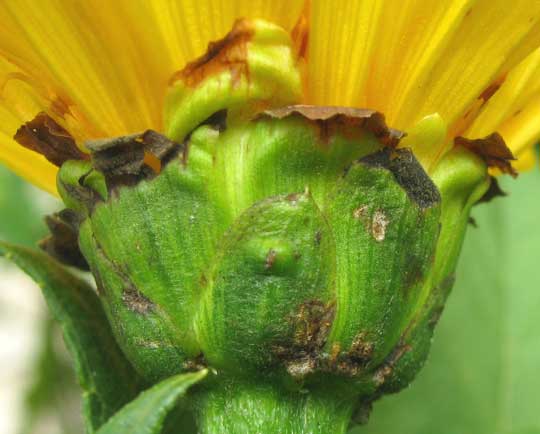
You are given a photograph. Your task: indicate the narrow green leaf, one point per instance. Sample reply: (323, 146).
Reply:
(106, 377)
(482, 376)
(146, 414)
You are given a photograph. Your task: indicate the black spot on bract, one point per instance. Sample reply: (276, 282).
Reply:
(408, 172)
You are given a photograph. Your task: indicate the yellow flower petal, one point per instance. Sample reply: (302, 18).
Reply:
(341, 42)
(101, 68)
(522, 130)
(521, 86)
(514, 111)
(526, 161)
(187, 26)
(106, 64)
(33, 167)
(418, 58)
(489, 34)
(20, 101)
(366, 53)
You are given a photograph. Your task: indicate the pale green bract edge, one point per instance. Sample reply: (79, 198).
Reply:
(146, 414)
(106, 377)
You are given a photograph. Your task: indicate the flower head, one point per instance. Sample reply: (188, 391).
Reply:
(277, 191)
(103, 70)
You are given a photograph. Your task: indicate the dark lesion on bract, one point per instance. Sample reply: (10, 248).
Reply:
(127, 160)
(136, 302)
(63, 243)
(310, 325)
(408, 172)
(306, 352)
(124, 160)
(355, 360)
(196, 363)
(386, 369)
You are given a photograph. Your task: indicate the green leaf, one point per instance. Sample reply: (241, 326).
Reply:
(106, 377)
(482, 376)
(146, 414)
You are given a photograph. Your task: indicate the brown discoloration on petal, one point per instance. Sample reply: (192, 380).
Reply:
(300, 33)
(464, 122)
(467, 119)
(227, 54)
(60, 106)
(332, 119)
(492, 149)
(46, 137)
(492, 89)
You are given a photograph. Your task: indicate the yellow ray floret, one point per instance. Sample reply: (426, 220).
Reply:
(514, 111)
(102, 68)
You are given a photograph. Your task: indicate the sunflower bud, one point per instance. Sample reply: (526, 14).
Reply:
(298, 247)
(297, 243)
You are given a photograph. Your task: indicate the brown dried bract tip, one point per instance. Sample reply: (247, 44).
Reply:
(63, 242)
(492, 192)
(492, 149)
(229, 53)
(43, 135)
(334, 116)
(127, 159)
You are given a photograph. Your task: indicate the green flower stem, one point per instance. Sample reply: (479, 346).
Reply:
(239, 407)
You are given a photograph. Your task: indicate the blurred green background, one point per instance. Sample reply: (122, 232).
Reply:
(48, 398)
(483, 376)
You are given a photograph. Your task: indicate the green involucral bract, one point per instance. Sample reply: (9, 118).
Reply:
(297, 250)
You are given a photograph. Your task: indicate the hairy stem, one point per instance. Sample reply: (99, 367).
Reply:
(237, 408)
